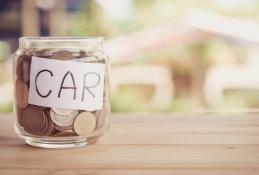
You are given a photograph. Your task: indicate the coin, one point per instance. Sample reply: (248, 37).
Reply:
(23, 68)
(30, 51)
(61, 111)
(90, 59)
(45, 53)
(68, 133)
(34, 120)
(82, 54)
(63, 120)
(62, 55)
(84, 123)
(50, 126)
(63, 128)
(21, 93)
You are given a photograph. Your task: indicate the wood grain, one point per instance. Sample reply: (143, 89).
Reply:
(146, 144)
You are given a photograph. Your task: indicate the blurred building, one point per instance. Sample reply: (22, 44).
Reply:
(190, 52)
(34, 18)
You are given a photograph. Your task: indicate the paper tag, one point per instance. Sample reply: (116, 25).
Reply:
(66, 84)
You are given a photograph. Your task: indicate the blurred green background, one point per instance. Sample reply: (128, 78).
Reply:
(166, 55)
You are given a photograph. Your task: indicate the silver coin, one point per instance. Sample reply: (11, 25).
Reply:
(90, 59)
(61, 111)
(63, 120)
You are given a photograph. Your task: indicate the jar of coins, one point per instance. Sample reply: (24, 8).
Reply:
(61, 91)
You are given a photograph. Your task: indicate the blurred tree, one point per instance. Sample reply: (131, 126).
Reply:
(88, 21)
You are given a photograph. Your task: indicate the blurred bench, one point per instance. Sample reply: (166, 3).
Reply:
(221, 78)
(157, 76)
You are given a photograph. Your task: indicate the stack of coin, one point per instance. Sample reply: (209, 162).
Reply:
(43, 53)
(37, 121)
(22, 84)
(62, 55)
(55, 122)
(85, 123)
(63, 118)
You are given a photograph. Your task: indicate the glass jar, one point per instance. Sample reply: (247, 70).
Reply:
(61, 91)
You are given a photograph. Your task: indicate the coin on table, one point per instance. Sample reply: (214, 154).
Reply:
(63, 120)
(62, 55)
(34, 120)
(21, 93)
(84, 123)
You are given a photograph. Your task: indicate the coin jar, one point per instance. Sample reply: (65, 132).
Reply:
(61, 91)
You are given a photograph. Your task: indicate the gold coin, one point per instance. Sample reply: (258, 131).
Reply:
(84, 123)
(44, 53)
(62, 55)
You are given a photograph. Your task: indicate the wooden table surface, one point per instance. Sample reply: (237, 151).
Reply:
(145, 144)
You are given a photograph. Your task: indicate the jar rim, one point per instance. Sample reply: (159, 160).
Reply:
(54, 38)
(61, 42)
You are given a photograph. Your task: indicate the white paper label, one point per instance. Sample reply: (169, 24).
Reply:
(66, 84)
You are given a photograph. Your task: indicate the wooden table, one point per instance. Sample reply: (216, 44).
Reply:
(146, 144)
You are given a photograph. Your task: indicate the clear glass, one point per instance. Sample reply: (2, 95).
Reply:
(38, 125)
